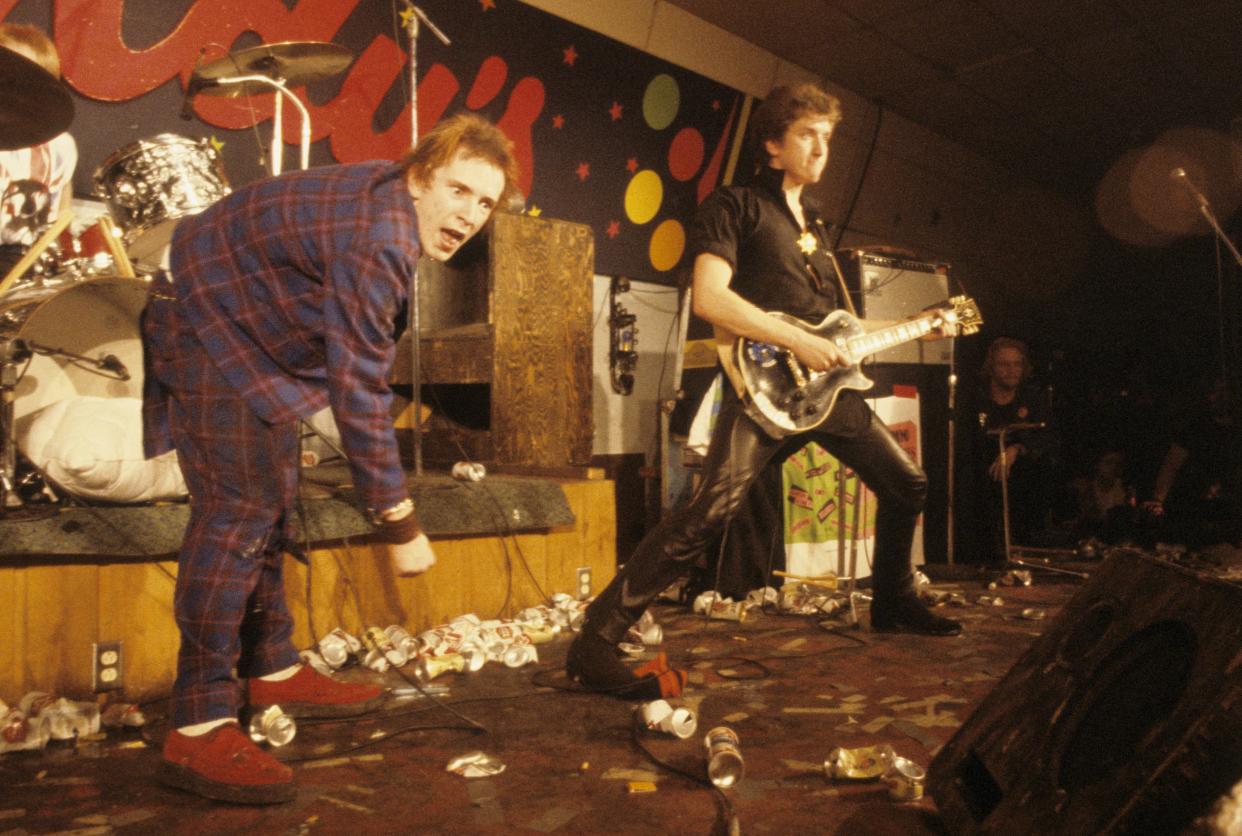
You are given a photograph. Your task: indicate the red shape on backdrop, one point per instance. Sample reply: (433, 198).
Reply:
(583, 171)
(613, 230)
(488, 83)
(571, 55)
(615, 111)
(685, 154)
(558, 121)
(711, 174)
(521, 112)
(631, 165)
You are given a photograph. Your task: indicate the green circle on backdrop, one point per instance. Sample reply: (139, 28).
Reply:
(643, 196)
(661, 101)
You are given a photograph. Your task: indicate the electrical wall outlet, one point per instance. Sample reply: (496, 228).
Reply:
(106, 666)
(584, 582)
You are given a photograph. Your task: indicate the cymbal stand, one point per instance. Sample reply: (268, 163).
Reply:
(412, 15)
(278, 139)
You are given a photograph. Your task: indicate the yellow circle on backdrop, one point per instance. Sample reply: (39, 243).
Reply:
(661, 101)
(643, 196)
(667, 244)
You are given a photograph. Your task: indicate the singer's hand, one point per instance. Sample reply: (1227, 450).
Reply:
(412, 558)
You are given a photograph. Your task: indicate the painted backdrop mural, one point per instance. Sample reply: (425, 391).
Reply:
(608, 136)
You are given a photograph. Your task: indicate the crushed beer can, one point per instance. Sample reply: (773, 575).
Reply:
(725, 766)
(316, 661)
(336, 647)
(905, 780)
(713, 606)
(120, 715)
(518, 655)
(1033, 614)
(402, 640)
(272, 726)
(428, 668)
(539, 633)
(865, 763)
(469, 471)
(379, 643)
(658, 715)
(475, 765)
(1016, 577)
(990, 601)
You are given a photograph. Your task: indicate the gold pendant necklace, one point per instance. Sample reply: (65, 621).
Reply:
(806, 242)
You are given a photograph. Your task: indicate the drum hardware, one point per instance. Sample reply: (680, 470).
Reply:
(151, 184)
(35, 106)
(1000, 434)
(109, 363)
(276, 66)
(37, 249)
(12, 354)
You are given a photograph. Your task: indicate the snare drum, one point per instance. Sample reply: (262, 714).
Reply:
(93, 319)
(86, 254)
(152, 183)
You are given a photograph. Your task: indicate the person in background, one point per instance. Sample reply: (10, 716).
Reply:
(36, 183)
(281, 300)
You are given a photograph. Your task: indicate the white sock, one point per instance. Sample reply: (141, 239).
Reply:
(198, 729)
(277, 676)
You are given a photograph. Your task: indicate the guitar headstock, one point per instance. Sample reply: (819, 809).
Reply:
(964, 312)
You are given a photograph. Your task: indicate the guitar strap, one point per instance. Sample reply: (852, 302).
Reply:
(836, 267)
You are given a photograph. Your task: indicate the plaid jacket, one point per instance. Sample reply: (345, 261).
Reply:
(292, 285)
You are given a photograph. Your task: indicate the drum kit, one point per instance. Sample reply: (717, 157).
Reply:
(69, 309)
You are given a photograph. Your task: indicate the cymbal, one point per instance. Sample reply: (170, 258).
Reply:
(293, 62)
(37, 106)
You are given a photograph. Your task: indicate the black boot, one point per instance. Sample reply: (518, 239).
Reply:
(905, 613)
(593, 662)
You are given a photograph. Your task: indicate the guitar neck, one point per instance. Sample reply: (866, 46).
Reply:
(903, 332)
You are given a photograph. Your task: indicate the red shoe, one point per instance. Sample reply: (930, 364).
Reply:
(672, 681)
(309, 693)
(225, 765)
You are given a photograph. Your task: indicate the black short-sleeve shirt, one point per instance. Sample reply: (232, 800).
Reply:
(754, 230)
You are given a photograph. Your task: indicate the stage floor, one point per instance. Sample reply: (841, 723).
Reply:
(792, 690)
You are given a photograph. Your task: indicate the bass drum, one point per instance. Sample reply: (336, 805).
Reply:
(93, 319)
(152, 183)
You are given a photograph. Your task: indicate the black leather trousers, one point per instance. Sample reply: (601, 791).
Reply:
(738, 453)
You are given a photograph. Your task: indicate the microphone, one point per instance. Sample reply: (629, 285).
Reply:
(1178, 175)
(112, 363)
(191, 89)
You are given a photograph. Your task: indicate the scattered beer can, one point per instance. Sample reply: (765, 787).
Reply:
(475, 765)
(905, 780)
(428, 668)
(517, 655)
(1033, 614)
(725, 766)
(865, 763)
(316, 661)
(121, 715)
(469, 471)
(272, 726)
(658, 715)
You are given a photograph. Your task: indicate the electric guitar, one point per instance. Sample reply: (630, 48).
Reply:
(785, 397)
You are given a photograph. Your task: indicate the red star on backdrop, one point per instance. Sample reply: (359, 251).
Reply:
(558, 121)
(571, 55)
(613, 230)
(631, 165)
(583, 171)
(487, 4)
(615, 111)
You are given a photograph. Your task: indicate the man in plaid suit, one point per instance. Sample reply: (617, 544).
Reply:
(281, 300)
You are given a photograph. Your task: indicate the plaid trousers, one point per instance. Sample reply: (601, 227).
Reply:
(242, 472)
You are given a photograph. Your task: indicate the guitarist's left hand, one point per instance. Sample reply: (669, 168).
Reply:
(944, 328)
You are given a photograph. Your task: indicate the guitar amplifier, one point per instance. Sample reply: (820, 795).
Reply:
(888, 287)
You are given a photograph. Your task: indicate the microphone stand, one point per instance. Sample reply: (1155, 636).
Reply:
(1206, 212)
(413, 14)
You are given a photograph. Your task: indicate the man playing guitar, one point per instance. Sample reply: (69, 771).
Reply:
(754, 252)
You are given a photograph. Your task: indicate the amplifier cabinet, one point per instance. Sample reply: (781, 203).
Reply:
(887, 287)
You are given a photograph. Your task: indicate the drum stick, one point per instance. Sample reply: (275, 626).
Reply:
(823, 581)
(124, 267)
(36, 249)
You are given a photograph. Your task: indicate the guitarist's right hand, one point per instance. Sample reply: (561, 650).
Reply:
(817, 353)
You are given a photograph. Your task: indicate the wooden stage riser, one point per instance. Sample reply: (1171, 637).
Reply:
(51, 614)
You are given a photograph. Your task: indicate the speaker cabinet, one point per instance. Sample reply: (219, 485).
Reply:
(1123, 717)
(891, 287)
